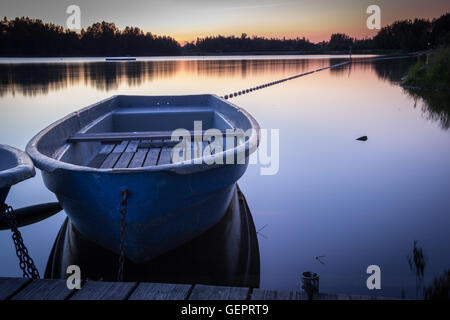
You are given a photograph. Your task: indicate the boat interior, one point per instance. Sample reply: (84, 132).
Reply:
(7, 160)
(133, 136)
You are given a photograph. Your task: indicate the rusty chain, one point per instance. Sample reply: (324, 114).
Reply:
(123, 210)
(26, 263)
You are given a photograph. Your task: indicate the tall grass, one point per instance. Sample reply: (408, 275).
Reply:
(435, 74)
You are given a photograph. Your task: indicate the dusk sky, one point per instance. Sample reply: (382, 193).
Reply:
(186, 20)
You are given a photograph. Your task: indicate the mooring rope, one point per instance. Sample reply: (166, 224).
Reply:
(268, 84)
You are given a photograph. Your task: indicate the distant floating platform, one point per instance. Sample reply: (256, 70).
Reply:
(120, 59)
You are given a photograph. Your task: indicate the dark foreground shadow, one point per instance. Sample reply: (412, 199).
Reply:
(227, 254)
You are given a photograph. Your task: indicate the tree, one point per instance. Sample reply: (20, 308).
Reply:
(340, 42)
(417, 264)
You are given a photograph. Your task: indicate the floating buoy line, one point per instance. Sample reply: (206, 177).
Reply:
(350, 61)
(265, 85)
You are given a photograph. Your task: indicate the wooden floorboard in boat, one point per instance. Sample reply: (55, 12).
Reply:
(152, 157)
(165, 156)
(138, 158)
(101, 156)
(132, 146)
(124, 160)
(127, 155)
(131, 154)
(112, 158)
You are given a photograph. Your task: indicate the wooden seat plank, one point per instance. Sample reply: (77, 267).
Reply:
(99, 290)
(10, 286)
(204, 292)
(161, 291)
(158, 143)
(44, 289)
(142, 135)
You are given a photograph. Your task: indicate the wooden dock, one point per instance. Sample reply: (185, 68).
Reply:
(56, 289)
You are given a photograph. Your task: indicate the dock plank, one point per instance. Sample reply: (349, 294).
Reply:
(44, 289)
(56, 289)
(10, 286)
(205, 292)
(161, 291)
(263, 294)
(98, 290)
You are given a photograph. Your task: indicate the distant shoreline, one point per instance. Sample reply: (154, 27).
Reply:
(218, 54)
(91, 59)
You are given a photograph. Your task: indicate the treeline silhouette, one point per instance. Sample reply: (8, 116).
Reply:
(404, 35)
(32, 37)
(246, 44)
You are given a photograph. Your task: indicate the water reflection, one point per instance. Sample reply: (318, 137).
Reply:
(227, 254)
(43, 78)
(357, 203)
(30, 80)
(434, 105)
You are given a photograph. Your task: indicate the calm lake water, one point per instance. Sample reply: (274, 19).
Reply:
(355, 203)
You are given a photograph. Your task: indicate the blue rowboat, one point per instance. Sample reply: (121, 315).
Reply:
(15, 166)
(91, 157)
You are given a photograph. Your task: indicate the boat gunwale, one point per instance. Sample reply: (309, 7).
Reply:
(50, 164)
(22, 170)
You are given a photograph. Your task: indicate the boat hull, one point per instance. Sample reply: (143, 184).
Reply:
(3, 194)
(164, 210)
(15, 167)
(225, 255)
